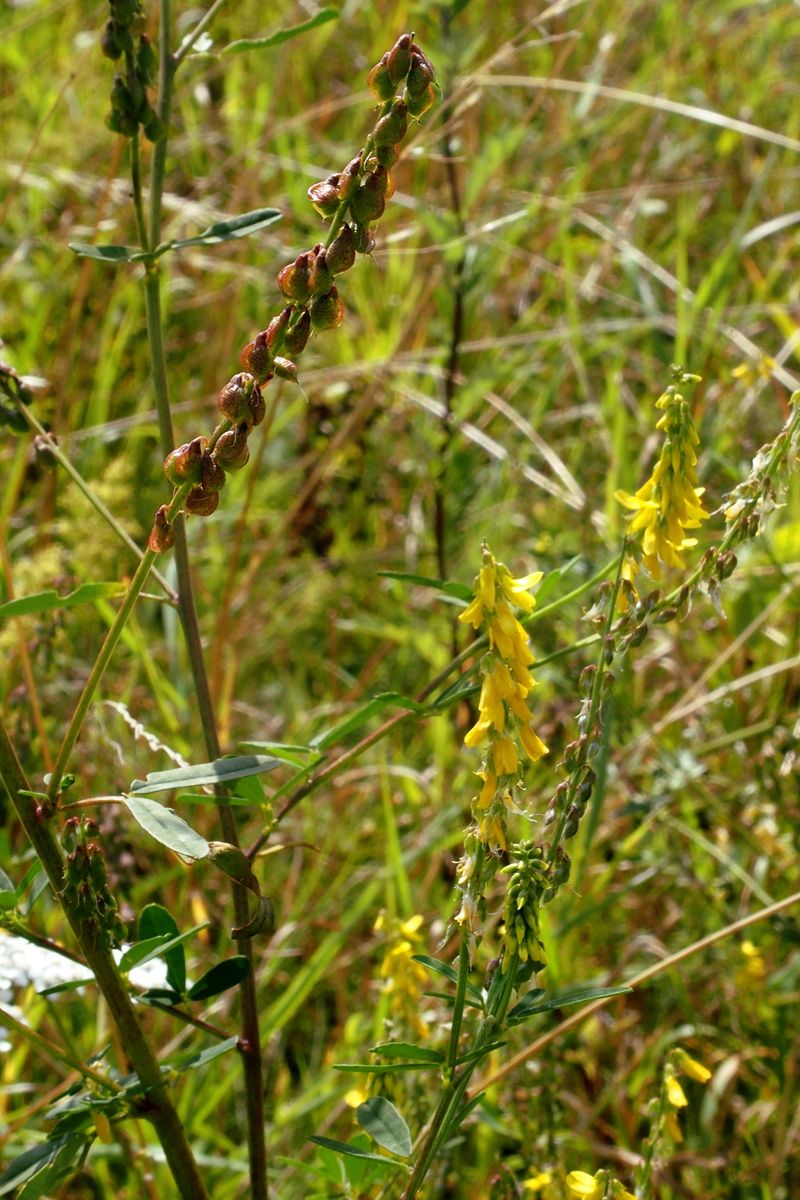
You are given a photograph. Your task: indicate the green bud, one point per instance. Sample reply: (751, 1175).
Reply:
(379, 80)
(111, 41)
(399, 58)
(369, 202)
(341, 253)
(146, 61)
(154, 128)
(418, 105)
(385, 156)
(286, 369)
(420, 74)
(364, 241)
(392, 128)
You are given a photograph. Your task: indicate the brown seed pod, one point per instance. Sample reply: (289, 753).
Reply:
(320, 279)
(365, 242)
(342, 251)
(392, 128)
(293, 279)
(399, 58)
(369, 202)
(201, 503)
(379, 80)
(256, 357)
(417, 105)
(213, 475)
(326, 312)
(258, 405)
(234, 399)
(162, 535)
(277, 327)
(325, 196)
(297, 336)
(286, 369)
(232, 451)
(186, 463)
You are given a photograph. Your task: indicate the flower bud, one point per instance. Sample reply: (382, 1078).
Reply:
(326, 312)
(420, 74)
(418, 105)
(399, 58)
(341, 253)
(368, 203)
(325, 196)
(293, 279)
(162, 535)
(320, 279)
(296, 337)
(379, 80)
(392, 128)
(234, 399)
(364, 241)
(232, 451)
(201, 503)
(186, 463)
(286, 369)
(213, 475)
(256, 358)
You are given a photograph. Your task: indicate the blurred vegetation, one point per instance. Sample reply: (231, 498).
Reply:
(548, 254)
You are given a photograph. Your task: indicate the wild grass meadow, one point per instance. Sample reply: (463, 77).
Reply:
(557, 399)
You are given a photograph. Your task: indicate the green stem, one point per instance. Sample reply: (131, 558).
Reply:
(157, 1101)
(97, 672)
(458, 1004)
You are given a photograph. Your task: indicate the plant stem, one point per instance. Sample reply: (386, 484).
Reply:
(158, 1102)
(458, 1005)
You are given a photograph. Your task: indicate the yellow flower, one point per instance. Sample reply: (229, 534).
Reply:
(355, 1097)
(619, 1192)
(671, 1125)
(537, 1181)
(532, 744)
(690, 1066)
(592, 1187)
(405, 978)
(504, 753)
(675, 1093)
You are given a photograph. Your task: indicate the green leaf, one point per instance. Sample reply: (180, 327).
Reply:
(448, 996)
(220, 977)
(229, 230)
(282, 35)
(406, 1050)
(70, 986)
(25, 1165)
(526, 1006)
(205, 1056)
(6, 884)
(516, 1016)
(154, 920)
(362, 715)
(41, 602)
(167, 827)
(223, 770)
(354, 1151)
(114, 254)
(451, 587)
(156, 947)
(381, 1120)
(552, 579)
(433, 964)
(477, 1055)
(8, 900)
(462, 1114)
(381, 1068)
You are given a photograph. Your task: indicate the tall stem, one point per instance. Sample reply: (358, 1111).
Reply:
(159, 1107)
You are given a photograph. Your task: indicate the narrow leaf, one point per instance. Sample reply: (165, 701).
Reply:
(6, 884)
(167, 827)
(452, 587)
(564, 1002)
(406, 1050)
(461, 1115)
(70, 986)
(282, 35)
(201, 774)
(45, 601)
(433, 964)
(361, 715)
(381, 1068)
(381, 1120)
(477, 1055)
(526, 1006)
(205, 1056)
(235, 227)
(25, 1165)
(105, 253)
(353, 1151)
(156, 947)
(220, 977)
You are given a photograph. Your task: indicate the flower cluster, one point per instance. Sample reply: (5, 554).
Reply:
(503, 708)
(528, 879)
(130, 107)
(669, 502)
(665, 1130)
(352, 199)
(597, 1186)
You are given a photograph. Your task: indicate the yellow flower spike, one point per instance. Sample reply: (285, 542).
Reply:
(675, 1093)
(589, 1186)
(690, 1066)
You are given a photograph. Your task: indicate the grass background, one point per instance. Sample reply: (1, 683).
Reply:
(548, 254)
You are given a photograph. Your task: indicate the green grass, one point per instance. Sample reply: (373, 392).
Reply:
(574, 245)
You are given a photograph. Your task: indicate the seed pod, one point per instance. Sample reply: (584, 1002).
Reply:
(399, 58)
(348, 188)
(341, 253)
(726, 564)
(162, 535)
(324, 196)
(386, 180)
(379, 80)
(365, 242)
(418, 105)
(187, 462)
(120, 96)
(320, 279)
(256, 358)
(420, 74)
(232, 451)
(392, 128)
(113, 122)
(213, 474)
(286, 369)
(277, 327)
(234, 399)
(385, 156)
(111, 40)
(152, 125)
(43, 452)
(235, 863)
(368, 203)
(126, 11)
(146, 61)
(258, 405)
(326, 312)
(201, 503)
(296, 338)
(293, 279)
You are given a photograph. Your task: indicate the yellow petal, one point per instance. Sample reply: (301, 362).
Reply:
(675, 1093)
